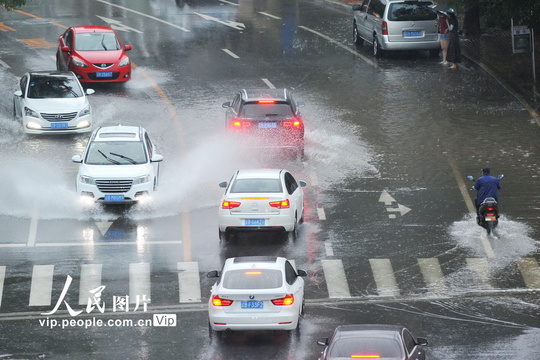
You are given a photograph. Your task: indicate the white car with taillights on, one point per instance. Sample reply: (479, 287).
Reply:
(256, 293)
(261, 199)
(120, 165)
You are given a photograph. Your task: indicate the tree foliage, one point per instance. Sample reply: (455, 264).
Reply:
(12, 4)
(497, 13)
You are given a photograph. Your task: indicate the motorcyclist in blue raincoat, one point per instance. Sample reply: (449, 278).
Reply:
(486, 186)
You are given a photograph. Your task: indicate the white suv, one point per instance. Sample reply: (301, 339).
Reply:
(119, 165)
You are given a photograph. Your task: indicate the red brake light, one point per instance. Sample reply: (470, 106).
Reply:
(266, 102)
(490, 209)
(384, 28)
(366, 356)
(240, 124)
(229, 204)
(253, 273)
(295, 123)
(281, 204)
(217, 301)
(287, 300)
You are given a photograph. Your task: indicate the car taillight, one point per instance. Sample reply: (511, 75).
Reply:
(370, 356)
(293, 124)
(384, 28)
(281, 204)
(266, 101)
(229, 204)
(490, 209)
(238, 124)
(287, 300)
(217, 301)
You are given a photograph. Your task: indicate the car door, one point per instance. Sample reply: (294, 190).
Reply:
(360, 18)
(414, 352)
(151, 150)
(295, 192)
(232, 111)
(295, 282)
(18, 101)
(374, 19)
(62, 57)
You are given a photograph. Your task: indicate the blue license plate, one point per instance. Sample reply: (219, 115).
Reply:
(252, 304)
(413, 33)
(256, 222)
(267, 125)
(59, 125)
(114, 197)
(104, 74)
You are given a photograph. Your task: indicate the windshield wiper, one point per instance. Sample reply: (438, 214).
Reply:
(124, 157)
(108, 158)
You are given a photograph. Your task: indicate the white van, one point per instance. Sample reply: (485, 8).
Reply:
(396, 25)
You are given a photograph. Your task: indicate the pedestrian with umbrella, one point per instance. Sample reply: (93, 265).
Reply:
(454, 51)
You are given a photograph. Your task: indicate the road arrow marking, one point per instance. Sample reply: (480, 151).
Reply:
(386, 198)
(400, 209)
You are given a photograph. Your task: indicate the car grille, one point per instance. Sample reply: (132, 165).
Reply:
(59, 117)
(103, 65)
(114, 186)
(114, 76)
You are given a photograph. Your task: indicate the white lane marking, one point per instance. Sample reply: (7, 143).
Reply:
(2, 277)
(337, 43)
(5, 65)
(530, 271)
(41, 286)
(336, 281)
(487, 246)
(176, 242)
(233, 24)
(269, 15)
(268, 83)
(228, 2)
(145, 15)
(321, 214)
(433, 275)
(329, 249)
(118, 25)
(90, 280)
(32, 232)
(139, 282)
(480, 267)
(231, 53)
(189, 283)
(384, 277)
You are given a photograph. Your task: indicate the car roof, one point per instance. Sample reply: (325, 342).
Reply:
(118, 133)
(51, 73)
(242, 262)
(378, 330)
(265, 94)
(259, 173)
(91, 28)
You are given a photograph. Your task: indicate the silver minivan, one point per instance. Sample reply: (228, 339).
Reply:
(396, 25)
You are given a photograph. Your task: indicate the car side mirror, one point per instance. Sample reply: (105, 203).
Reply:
(357, 7)
(223, 184)
(127, 47)
(322, 342)
(422, 341)
(226, 104)
(64, 49)
(76, 159)
(301, 272)
(18, 93)
(90, 91)
(156, 158)
(302, 183)
(213, 274)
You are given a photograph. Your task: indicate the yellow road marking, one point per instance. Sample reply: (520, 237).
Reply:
(38, 43)
(4, 27)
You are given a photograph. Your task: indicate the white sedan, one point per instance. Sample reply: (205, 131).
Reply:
(52, 102)
(256, 293)
(261, 199)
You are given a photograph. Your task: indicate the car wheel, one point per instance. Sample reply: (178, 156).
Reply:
(223, 236)
(214, 335)
(377, 51)
(293, 234)
(356, 37)
(14, 111)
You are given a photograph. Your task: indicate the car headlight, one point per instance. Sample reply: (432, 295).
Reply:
(30, 112)
(79, 63)
(87, 180)
(86, 111)
(141, 179)
(124, 61)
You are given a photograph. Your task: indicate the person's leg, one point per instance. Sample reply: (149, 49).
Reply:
(444, 49)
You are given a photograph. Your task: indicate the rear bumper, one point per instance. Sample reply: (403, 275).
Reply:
(408, 45)
(282, 222)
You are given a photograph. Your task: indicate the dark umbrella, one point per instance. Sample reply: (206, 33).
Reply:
(444, 8)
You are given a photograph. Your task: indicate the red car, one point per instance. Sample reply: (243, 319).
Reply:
(94, 54)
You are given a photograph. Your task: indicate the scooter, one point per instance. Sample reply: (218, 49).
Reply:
(488, 211)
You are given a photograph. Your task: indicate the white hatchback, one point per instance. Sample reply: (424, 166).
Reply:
(119, 165)
(52, 102)
(261, 199)
(256, 293)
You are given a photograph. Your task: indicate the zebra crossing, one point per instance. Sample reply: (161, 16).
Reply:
(189, 278)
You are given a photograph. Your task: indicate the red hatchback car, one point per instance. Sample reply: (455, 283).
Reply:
(94, 54)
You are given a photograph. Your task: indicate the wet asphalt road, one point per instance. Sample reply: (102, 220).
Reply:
(389, 144)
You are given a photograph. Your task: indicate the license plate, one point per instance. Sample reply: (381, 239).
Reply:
(257, 222)
(267, 125)
(104, 74)
(490, 218)
(114, 197)
(413, 34)
(59, 125)
(252, 304)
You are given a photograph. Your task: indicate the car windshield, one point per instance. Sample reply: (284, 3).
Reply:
(252, 279)
(384, 348)
(116, 153)
(96, 41)
(256, 186)
(411, 11)
(45, 87)
(251, 110)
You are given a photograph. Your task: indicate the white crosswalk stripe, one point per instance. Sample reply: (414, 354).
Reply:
(336, 280)
(480, 267)
(384, 277)
(530, 271)
(41, 286)
(139, 282)
(189, 284)
(90, 280)
(2, 277)
(433, 275)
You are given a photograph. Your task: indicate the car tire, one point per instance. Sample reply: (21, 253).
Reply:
(293, 234)
(356, 36)
(223, 236)
(214, 335)
(377, 51)
(14, 111)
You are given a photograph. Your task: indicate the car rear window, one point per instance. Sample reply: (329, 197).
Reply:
(257, 109)
(384, 348)
(411, 11)
(256, 186)
(252, 279)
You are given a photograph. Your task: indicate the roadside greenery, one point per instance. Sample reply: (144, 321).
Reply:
(12, 4)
